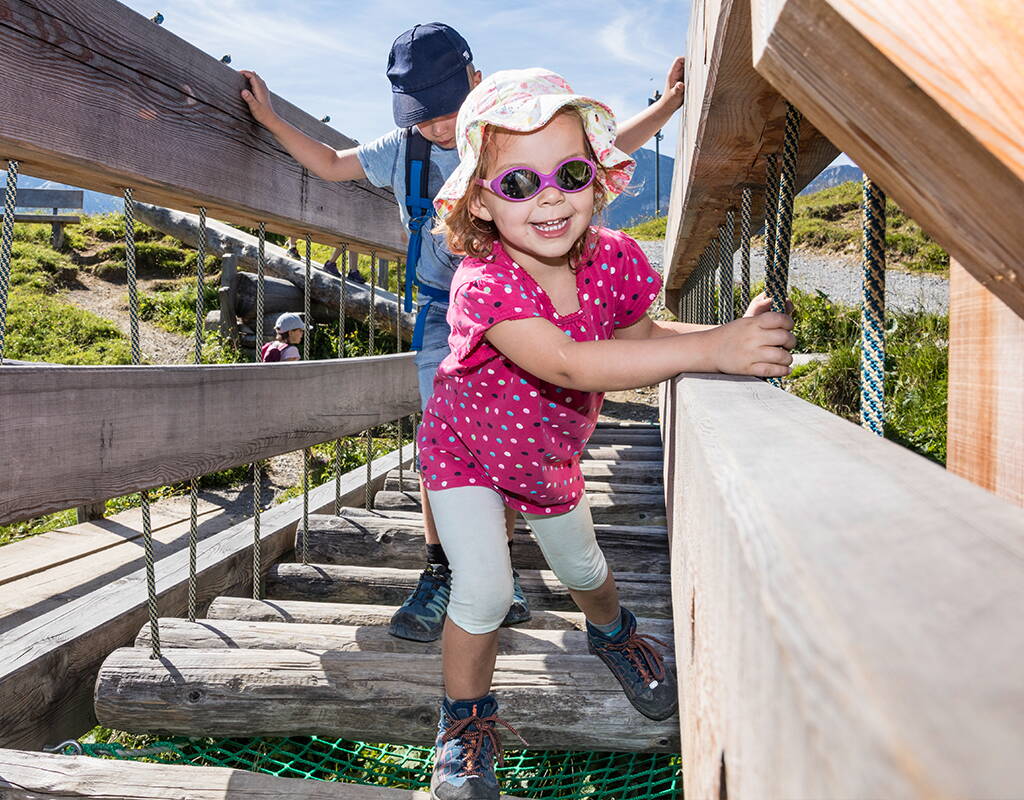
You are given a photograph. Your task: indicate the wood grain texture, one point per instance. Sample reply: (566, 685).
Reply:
(732, 119)
(371, 541)
(121, 429)
(50, 198)
(140, 107)
(409, 482)
(646, 595)
(48, 663)
(927, 99)
(623, 452)
(986, 388)
(41, 776)
(640, 472)
(561, 702)
(847, 612)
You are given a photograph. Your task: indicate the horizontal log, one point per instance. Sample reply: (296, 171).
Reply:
(648, 437)
(560, 702)
(371, 541)
(241, 608)
(142, 107)
(42, 776)
(642, 472)
(645, 595)
(206, 634)
(410, 482)
(122, 429)
(48, 664)
(623, 452)
(610, 509)
(878, 595)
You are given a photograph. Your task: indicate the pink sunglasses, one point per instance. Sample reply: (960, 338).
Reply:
(521, 183)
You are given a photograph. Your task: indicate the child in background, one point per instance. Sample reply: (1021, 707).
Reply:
(547, 313)
(289, 329)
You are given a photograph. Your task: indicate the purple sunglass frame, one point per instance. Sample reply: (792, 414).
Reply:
(545, 180)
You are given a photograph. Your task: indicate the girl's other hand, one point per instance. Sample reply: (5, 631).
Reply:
(755, 345)
(257, 97)
(762, 303)
(675, 82)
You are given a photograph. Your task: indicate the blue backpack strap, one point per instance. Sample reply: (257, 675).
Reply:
(418, 203)
(431, 294)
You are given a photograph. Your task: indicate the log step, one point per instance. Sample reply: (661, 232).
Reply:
(639, 472)
(623, 452)
(649, 437)
(409, 482)
(610, 509)
(43, 776)
(210, 634)
(303, 611)
(557, 701)
(644, 595)
(372, 540)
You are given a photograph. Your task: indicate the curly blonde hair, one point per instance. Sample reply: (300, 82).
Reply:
(467, 234)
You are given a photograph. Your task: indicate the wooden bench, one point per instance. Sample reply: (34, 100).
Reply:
(55, 199)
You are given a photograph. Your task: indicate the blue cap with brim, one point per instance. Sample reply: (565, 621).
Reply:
(427, 70)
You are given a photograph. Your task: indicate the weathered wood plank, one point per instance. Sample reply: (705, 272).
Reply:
(986, 388)
(622, 452)
(732, 119)
(372, 541)
(50, 198)
(609, 509)
(643, 436)
(646, 595)
(121, 429)
(209, 634)
(46, 219)
(48, 664)
(939, 126)
(866, 645)
(646, 472)
(141, 107)
(409, 482)
(41, 776)
(563, 702)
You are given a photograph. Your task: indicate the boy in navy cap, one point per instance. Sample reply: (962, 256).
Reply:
(431, 72)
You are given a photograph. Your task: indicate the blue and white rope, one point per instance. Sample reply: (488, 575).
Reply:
(872, 372)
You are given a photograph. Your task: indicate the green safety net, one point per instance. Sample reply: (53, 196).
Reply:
(526, 773)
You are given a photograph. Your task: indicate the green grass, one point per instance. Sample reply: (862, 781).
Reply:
(649, 230)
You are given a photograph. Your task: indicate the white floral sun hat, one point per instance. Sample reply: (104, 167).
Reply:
(524, 100)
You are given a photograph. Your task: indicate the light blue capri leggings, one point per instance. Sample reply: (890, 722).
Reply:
(471, 524)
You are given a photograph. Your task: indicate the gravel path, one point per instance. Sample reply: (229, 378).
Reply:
(839, 278)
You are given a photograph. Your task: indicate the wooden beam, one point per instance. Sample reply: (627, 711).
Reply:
(42, 776)
(848, 612)
(49, 663)
(410, 483)
(83, 434)
(50, 198)
(928, 98)
(986, 388)
(557, 702)
(732, 119)
(140, 107)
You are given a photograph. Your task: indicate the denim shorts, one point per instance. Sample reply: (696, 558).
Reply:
(434, 351)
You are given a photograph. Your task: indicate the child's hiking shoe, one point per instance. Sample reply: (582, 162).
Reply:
(355, 276)
(648, 683)
(519, 611)
(331, 268)
(421, 617)
(466, 746)
(293, 251)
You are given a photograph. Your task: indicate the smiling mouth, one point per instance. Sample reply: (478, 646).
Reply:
(552, 227)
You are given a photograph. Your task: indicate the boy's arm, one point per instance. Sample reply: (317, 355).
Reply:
(637, 130)
(323, 161)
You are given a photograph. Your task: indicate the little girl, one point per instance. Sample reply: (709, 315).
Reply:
(547, 313)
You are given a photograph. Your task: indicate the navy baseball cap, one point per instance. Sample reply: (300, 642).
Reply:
(427, 70)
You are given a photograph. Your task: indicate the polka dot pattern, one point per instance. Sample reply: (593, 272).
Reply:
(491, 422)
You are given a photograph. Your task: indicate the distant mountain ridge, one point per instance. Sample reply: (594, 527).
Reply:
(637, 203)
(833, 176)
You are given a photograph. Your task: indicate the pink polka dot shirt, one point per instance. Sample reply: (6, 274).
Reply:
(492, 423)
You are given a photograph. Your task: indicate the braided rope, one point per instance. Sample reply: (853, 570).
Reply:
(710, 308)
(771, 207)
(726, 243)
(398, 349)
(872, 371)
(257, 468)
(306, 452)
(784, 214)
(193, 484)
(369, 323)
(147, 527)
(343, 260)
(6, 243)
(745, 204)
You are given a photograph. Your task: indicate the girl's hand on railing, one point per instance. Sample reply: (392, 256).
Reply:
(257, 97)
(757, 345)
(762, 303)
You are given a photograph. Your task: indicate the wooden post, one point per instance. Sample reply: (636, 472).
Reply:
(986, 388)
(88, 513)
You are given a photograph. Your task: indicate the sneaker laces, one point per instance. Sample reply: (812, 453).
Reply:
(428, 584)
(641, 654)
(473, 739)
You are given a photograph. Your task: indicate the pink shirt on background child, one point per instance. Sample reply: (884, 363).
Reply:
(491, 423)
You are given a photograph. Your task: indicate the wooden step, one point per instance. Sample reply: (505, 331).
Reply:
(208, 634)
(623, 452)
(641, 472)
(644, 595)
(43, 776)
(649, 437)
(628, 424)
(610, 509)
(410, 482)
(556, 701)
(372, 541)
(301, 611)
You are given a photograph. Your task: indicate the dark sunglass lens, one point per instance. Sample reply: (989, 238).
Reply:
(575, 174)
(520, 184)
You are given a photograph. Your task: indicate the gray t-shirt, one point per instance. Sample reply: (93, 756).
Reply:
(383, 162)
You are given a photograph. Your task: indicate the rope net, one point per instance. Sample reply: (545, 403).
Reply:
(541, 775)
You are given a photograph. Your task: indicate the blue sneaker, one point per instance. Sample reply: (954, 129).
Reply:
(466, 746)
(519, 611)
(648, 683)
(421, 617)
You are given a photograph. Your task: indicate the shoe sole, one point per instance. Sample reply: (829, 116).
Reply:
(414, 637)
(659, 718)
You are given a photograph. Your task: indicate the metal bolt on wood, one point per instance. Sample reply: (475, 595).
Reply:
(6, 243)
